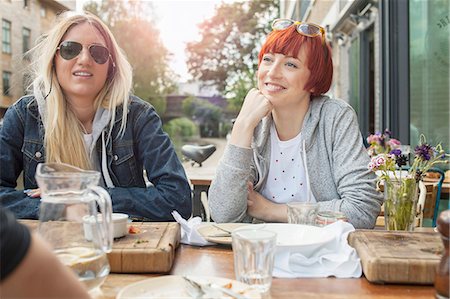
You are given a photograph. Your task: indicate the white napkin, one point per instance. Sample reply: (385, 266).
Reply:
(335, 258)
(189, 233)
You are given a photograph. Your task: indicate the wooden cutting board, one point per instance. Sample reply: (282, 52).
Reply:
(152, 250)
(398, 257)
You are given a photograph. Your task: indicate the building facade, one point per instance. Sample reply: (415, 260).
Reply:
(23, 21)
(391, 62)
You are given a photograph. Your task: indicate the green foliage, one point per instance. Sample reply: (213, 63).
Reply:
(189, 106)
(237, 90)
(160, 104)
(225, 128)
(180, 128)
(230, 42)
(140, 39)
(205, 114)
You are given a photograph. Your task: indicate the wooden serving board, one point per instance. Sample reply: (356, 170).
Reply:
(152, 250)
(398, 257)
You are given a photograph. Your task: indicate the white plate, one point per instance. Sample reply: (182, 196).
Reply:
(304, 239)
(173, 286)
(213, 234)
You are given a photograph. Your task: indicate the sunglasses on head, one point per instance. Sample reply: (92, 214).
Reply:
(306, 29)
(69, 50)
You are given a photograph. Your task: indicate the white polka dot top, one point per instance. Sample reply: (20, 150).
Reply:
(286, 180)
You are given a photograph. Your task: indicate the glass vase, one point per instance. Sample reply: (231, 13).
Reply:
(400, 204)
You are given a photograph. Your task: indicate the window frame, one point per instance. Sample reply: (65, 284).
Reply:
(6, 83)
(6, 36)
(26, 46)
(395, 84)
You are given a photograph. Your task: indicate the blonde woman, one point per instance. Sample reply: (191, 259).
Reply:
(81, 112)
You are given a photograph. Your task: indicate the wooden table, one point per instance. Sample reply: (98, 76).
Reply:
(218, 261)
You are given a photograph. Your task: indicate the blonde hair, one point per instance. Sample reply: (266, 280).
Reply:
(63, 139)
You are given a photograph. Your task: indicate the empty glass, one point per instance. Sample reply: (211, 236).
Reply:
(254, 251)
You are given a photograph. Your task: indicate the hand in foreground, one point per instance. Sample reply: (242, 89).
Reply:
(33, 193)
(261, 208)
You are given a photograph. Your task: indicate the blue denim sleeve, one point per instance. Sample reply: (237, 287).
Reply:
(11, 164)
(169, 188)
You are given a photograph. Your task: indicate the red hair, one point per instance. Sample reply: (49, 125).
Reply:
(289, 41)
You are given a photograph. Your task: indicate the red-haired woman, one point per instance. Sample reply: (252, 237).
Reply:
(290, 142)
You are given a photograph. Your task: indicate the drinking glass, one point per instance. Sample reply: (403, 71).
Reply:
(302, 212)
(254, 251)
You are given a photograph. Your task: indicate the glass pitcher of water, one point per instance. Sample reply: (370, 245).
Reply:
(69, 197)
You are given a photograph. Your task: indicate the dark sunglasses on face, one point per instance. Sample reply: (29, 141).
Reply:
(69, 50)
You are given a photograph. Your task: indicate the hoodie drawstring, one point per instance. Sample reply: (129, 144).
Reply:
(308, 196)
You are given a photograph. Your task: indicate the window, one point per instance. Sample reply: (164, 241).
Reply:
(429, 71)
(26, 36)
(6, 36)
(6, 83)
(305, 7)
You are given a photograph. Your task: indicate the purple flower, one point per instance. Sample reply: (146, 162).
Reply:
(396, 152)
(401, 160)
(424, 152)
(388, 133)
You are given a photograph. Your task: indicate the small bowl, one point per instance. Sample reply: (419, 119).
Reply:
(119, 225)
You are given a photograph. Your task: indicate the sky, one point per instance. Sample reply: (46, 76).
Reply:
(177, 21)
(178, 25)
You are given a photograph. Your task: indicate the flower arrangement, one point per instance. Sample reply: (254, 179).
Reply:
(382, 143)
(390, 157)
(401, 192)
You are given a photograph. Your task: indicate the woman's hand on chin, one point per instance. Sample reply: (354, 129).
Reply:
(255, 107)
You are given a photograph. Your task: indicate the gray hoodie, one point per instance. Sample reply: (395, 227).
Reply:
(335, 163)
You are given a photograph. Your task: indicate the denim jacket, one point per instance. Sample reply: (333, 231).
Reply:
(144, 145)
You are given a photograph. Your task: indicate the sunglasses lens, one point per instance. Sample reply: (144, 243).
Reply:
(308, 29)
(99, 53)
(282, 24)
(69, 50)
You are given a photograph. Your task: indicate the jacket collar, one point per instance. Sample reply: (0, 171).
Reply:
(33, 109)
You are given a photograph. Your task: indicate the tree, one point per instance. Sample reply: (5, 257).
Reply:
(230, 41)
(239, 89)
(130, 22)
(208, 116)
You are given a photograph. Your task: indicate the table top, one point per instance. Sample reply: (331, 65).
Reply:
(218, 261)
